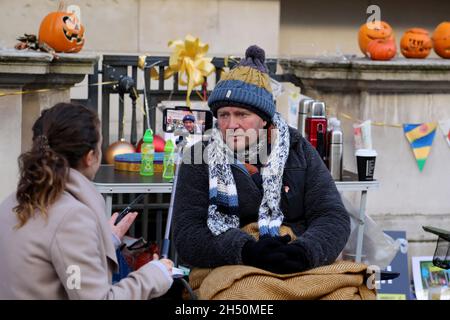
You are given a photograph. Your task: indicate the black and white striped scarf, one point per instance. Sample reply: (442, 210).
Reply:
(222, 187)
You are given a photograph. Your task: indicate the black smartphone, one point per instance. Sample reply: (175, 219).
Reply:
(125, 211)
(389, 275)
(196, 121)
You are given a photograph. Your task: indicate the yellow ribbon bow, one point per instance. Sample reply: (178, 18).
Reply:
(188, 59)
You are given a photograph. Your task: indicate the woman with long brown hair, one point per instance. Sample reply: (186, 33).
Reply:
(55, 240)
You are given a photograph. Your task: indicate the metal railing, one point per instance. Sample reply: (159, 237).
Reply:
(108, 74)
(113, 68)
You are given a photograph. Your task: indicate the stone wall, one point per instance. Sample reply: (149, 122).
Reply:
(27, 72)
(145, 26)
(330, 28)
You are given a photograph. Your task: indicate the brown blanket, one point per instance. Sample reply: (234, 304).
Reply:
(342, 280)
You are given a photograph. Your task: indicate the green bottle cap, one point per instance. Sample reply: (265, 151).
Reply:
(169, 147)
(148, 136)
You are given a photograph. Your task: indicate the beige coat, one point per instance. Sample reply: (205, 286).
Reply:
(69, 256)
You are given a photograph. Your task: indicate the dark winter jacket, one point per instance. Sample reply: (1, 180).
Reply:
(312, 207)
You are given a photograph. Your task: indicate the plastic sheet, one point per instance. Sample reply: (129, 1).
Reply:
(379, 249)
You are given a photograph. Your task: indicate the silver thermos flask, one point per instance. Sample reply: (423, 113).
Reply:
(336, 152)
(303, 114)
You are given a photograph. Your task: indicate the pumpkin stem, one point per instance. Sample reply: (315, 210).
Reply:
(62, 6)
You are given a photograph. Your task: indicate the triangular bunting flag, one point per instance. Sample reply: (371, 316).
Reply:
(420, 137)
(445, 127)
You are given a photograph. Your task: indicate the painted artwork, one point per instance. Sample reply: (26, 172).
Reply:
(430, 282)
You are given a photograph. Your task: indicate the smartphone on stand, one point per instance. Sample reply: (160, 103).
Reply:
(194, 122)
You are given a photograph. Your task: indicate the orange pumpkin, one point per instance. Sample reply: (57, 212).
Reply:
(381, 49)
(416, 43)
(369, 32)
(62, 31)
(441, 40)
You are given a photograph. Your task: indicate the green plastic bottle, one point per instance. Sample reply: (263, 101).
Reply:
(147, 154)
(169, 160)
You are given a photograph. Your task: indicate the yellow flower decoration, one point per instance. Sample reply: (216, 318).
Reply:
(188, 59)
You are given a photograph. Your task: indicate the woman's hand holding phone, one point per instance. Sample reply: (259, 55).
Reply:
(121, 222)
(122, 227)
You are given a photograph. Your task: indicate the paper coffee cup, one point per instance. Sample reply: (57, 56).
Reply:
(365, 160)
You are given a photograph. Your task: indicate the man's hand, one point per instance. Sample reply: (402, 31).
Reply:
(265, 253)
(275, 254)
(166, 262)
(296, 260)
(122, 227)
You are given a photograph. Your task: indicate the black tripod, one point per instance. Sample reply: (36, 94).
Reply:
(441, 257)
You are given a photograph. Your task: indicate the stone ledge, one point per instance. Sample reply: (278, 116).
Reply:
(359, 63)
(33, 62)
(12, 55)
(361, 74)
(38, 69)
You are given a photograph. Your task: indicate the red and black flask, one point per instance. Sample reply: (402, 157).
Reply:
(316, 127)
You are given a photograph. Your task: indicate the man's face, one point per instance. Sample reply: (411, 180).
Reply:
(189, 125)
(239, 127)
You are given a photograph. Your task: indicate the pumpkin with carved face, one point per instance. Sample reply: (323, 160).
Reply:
(372, 31)
(62, 31)
(441, 40)
(416, 43)
(381, 49)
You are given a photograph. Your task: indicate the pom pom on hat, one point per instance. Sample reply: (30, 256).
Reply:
(255, 57)
(255, 52)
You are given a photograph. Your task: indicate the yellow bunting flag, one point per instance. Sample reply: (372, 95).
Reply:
(420, 137)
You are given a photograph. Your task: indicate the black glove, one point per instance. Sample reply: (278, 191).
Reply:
(265, 254)
(296, 258)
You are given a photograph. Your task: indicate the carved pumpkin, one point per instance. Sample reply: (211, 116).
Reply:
(441, 40)
(416, 43)
(62, 31)
(369, 32)
(381, 49)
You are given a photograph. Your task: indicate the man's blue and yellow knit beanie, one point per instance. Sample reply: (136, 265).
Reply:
(247, 86)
